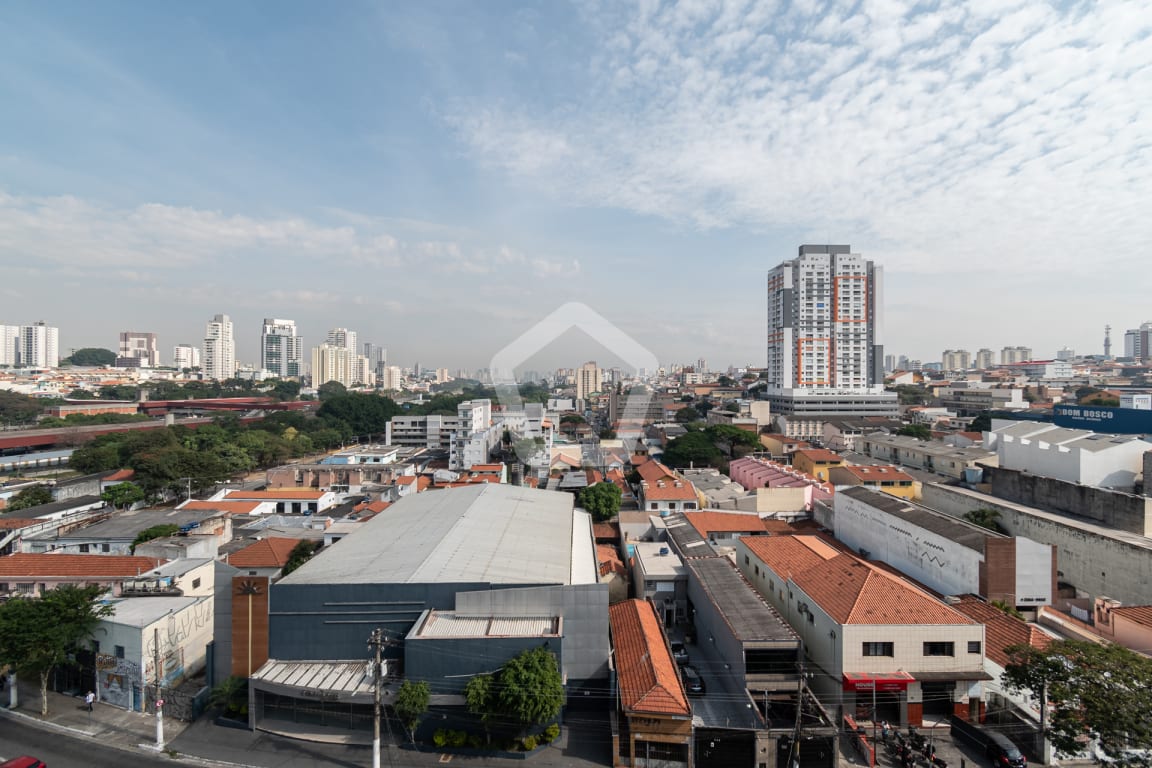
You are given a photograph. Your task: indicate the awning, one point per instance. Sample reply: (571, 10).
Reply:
(943, 677)
(877, 681)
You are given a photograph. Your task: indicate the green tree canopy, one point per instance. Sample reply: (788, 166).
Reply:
(981, 423)
(411, 704)
(1102, 692)
(529, 688)
(16, 408)
(300, 554)
(363, 414)
(123, 495)
(573, 418)
(480, 698)
(919, 431)
(693, 449)
(90, 356)
(39, 633)
(155, 532)
(602, 500)
(985, 517)
(331, 389)
(687, 413)
(32, 496)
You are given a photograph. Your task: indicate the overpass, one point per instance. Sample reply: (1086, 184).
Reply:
(27, 439)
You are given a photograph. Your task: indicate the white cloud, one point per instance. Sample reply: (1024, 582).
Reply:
(926, 136)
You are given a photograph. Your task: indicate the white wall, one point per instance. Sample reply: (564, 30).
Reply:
(928, 557)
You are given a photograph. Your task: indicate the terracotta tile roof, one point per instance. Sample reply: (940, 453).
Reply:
(120, 476)
(606, 531)
(609, 560)
(724, 522)
(849, 589)
(422, 482)
(234, 507)
(42, 564)
(877, 473)
(820, 456)
(1001, 630)
(1137, 614)
(296, 494)
(266, 553)
(12, 523)
(665, 490)
(652, 470)
(649, 681)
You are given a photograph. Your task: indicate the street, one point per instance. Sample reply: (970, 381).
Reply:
(60, 751)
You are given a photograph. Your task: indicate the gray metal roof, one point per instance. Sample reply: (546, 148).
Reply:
(53, 507)
(686, 540)
(488, 533)
(448, 624)
(178, 567)
(127, 524)
(347, 677)
(965, 534)
(750, 618)
(142, 611)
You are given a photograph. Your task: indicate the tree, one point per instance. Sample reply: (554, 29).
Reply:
(364, 414)
(918, 431)
(286, 390)
(123, 495)
(231, 695)
(730, 438)
(16, 408)
(299, 555)
(1102, 692)
(412, 704)
(692, 449)
(155, 532)
(602, 500)
(480, 698)
(572, 418)
(40, 633)
(530, 689)
(90, 357)
(32, 496)
(687, 413)
(331, 389)
(982, 423)
(985, 518)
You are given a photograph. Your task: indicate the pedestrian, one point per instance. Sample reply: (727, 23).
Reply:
(884, 730)
(88, 699)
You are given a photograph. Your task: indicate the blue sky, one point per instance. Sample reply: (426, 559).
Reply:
(440, 176)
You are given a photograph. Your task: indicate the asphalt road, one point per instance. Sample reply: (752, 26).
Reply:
(60, 751)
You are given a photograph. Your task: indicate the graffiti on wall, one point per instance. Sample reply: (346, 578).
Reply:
(116, 678)
(174, 635)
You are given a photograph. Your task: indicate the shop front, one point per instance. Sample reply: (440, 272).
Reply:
(878, 697)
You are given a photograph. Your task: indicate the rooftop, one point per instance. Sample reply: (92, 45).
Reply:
(53, 508)
(449, 624)
(51, 564)
(272, 552)
(127, 525)
(724, 522)
(967, 535)
(296, 494)
(658, 559)
(490, 533)
(1001, 631)
(142, 611)
(751, 619)
(649, 680)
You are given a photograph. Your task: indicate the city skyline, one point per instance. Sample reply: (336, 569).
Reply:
(465, 170)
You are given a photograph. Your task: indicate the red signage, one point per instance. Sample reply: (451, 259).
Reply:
(881, 683)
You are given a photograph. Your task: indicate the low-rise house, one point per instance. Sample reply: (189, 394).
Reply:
(298, 501)
(33, 573)
(879, 647)
(231, 507)
(885, 478)
(141, 630)
(649, 695)
(659, 575)
(816, 462)
(668, 495)
(933, 456)
(266, 557)
(116, 535)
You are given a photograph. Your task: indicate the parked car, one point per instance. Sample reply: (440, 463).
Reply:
(24, 762)
(693, 683)
(1002, 752)
(679, 652)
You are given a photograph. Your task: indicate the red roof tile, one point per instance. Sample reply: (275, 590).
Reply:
(234, 507)
(1001, 630)
(668, 490)
(651, 471)
(820, 456)
(648, 679)
(724, 522)
(120, 476)
(1137, 614)
(266, 553)
(296, 494)
(43, 564)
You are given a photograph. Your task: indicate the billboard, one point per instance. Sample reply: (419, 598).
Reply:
(1117, 421)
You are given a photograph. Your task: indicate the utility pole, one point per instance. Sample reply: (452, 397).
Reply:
(159, 703)
(376, 644)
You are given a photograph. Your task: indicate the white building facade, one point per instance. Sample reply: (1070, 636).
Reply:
(37, 346)
(280, 348)
(219, 349)
(185, 356)
(140, 345)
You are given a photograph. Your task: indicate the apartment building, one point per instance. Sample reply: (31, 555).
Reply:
(280, 348)
(219, 349)
(140, 347)
(468, 437)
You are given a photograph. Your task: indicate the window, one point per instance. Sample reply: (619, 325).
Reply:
(939, 649)
(195, 583)
(746, 561)
(879, 649)
(83, 549)
(973, 646)
(757, 570)
(105, 548)
(95, 646)
(119, 651)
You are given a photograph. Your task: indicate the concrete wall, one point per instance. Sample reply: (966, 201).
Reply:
(448, 663)
(584, 608)
(1093, 559)
(222, 623)
(88, 485)
(928, 557)
(1112, 509)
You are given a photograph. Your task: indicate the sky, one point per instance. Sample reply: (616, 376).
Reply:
(440, 176)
